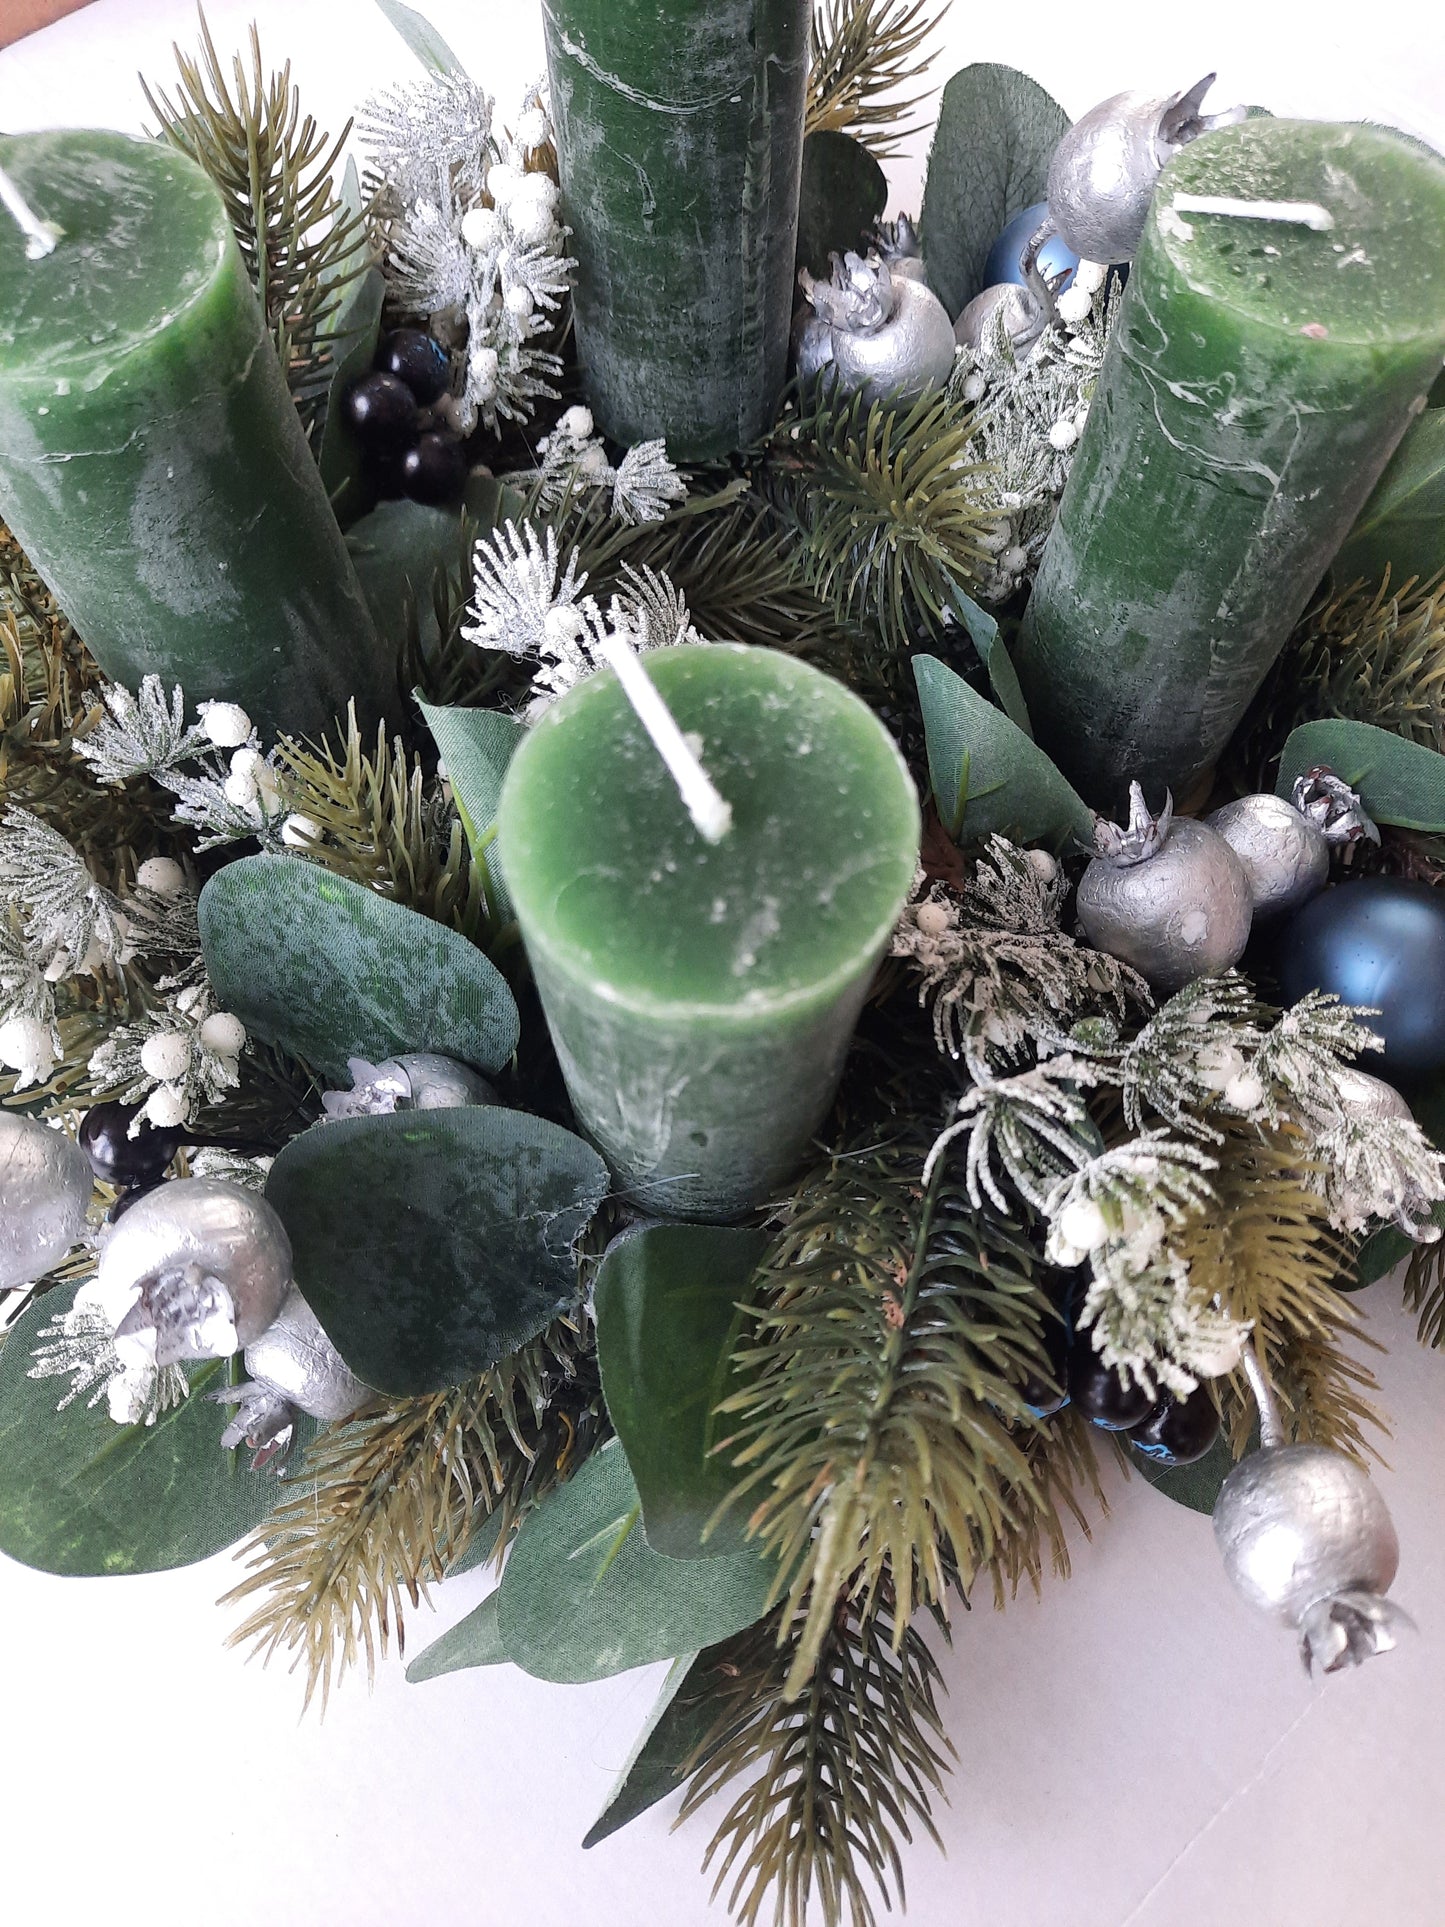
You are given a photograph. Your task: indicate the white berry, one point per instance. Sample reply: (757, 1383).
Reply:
(1074, 305)
(1245, 1092)
(482, 229)
(1083, 1225)
(26, 1044)
(531, 220)
(519, 303)
(576, 424)
(533, 129)
(300, 832)
(1091, 276)
(933, 919)
(1063, 435)
(166, 1107)
(224, 1034)
(162, 876)
(1014, 561)
(165, 1055)
(974, 387)
(1218, 1064)
(1044, 866)
(503, 182)
(226, 724)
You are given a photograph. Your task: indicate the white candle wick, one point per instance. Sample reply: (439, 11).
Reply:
(1302, 213)
(40, 236)
(711, 813)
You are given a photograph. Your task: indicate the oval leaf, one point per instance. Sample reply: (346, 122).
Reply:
(1402, 525)
(987, 776)
(473, 1641)
(398, 550)
(997, 131)
(329, 970)
(80, 1495)
(844, 191)
(1195, 1486)
(668, 1315)
(423, 39)
(476, 745)
(1399, 782)
(432, 1243)
(667, 1749)
(584, 1595)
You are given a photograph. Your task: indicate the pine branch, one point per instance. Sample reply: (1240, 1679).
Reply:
(385, 1501)
(1425, 1291)
(835, 1778)
(275, 171)
(864, 52)
(891, 509)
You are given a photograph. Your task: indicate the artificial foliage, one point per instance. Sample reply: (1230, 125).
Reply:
(864, 1429)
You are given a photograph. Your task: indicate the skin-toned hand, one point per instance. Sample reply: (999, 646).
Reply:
(20, 17)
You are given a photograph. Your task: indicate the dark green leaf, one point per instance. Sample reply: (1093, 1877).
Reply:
(997, 131)
(329, 970)
(1400, 783)
(81, 1495)
(398, 551)
(667, 1307)
(473, 1641)
(1195, 1486)
(1402, 525)
(667, 1748)
(357, 326)
(1378, 1255)
(422, 37)
(844, 192)
(477, 745)
(432, 1243)
(1002, 676)
(986, 774)
(584, 1595)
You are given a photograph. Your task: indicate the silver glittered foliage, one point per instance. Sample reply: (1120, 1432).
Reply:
(79, 1344)
(140, 734)
(69, 921)
(641, 488)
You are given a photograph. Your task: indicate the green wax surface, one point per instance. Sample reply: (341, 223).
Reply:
(152, 464)
(701, 996)
(1257, 379)
(680, 141)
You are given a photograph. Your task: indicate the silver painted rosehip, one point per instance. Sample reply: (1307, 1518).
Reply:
(45, 1185)
(1285, 856)
(888, 336)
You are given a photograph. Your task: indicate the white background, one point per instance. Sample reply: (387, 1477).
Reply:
(1135, 1750)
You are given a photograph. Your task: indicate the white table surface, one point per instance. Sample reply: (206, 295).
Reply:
(1136, 1750)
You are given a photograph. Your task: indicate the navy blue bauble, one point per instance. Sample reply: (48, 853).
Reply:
(1380, 942)
(1003, 260)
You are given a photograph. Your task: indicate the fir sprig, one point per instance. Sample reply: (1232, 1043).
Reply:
(892, 511)
(275, 170)
(864, 52)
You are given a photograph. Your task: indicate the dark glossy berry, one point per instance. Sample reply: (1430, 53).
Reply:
(127, 1198)
(1178, 1430)
(382, 412)
(1099, 1391)
(118, 1157)
(433, 469)
(413, 357)
(1045, 1395)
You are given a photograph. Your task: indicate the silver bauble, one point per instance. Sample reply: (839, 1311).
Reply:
(1007, 311)
(294, 1356)
(812, 345)
(1306, 1537)
(45, 1186)
(888, 336)
(1167, 895)
(1102, 175)
(1285, 856)
(197, 1268)
(418, 1080)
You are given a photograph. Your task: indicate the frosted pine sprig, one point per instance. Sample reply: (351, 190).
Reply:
(70, 921)
(141, 734)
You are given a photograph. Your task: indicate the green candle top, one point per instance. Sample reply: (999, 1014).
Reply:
(1381, 195)
(616, 884)
(144, 236)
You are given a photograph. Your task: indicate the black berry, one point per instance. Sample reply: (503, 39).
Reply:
(1099, 1391)
(118, 1157)
(127, 1198)
(1178, 1431)
(413, 357)
(433, 469)
(381, 411)
(1045, 1395)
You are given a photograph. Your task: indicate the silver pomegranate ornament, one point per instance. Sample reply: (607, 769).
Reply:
(197, 1268)
(45, 1185)
(1007, 314)
(1285, 856)
(1166, 895)
(883, 334)
(1102, 175)
(294, 1368)
(1307, 1538)
(899, 245)
(417, 1080)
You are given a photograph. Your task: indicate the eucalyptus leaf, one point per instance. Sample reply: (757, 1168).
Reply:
(667, 1305)
(1002, 676)
(987, 775)
(584, 1595)
(422, 38)
(329, 970)
(997, 131)
(476, 746)
(81, 1495)
(432, 1243)
(844, 191)
(668, 1747)
(1399, 782)
(1402, 525)
(473, 1641)
(398, 550)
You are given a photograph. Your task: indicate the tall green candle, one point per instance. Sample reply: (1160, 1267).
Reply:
(152, 464)
(701, 995)
(1259, 374)
(680, 140)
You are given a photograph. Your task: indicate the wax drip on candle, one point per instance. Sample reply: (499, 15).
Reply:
(1302, 213)
(40, 236)
(711, 813)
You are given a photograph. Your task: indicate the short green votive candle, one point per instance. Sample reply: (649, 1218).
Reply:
(701, 996)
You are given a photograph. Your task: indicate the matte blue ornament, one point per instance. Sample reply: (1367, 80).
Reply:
(1380, 942)
(1003, 261)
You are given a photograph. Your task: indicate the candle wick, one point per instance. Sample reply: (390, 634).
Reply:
(40, 236)
(1303, 213)
(708, 810)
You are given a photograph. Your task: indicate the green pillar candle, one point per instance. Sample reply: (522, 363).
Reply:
(701, 995)
(679, 140)
(1259, 374)
(152, 464)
